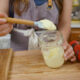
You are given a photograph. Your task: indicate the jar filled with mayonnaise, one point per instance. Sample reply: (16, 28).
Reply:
(51, 47)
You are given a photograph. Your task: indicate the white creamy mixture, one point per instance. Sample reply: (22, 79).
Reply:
(46, 24)
(54, 57)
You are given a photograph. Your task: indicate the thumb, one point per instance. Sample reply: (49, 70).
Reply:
(65, 45)
(2, 20)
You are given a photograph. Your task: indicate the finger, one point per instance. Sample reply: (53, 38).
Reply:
(3, 33)
(69, 56)
(65, 46)
(2, 21)
(69, 53)
(3, 27)
(6, 31)
(73, 59)
(11, 27)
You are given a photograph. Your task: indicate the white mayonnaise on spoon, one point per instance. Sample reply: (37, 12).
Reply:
(46, 24)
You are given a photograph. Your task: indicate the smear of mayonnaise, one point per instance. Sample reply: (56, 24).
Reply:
(54, 57)
(46, 24)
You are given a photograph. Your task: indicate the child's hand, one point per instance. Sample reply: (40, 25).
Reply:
(5, 28)
(69, 53)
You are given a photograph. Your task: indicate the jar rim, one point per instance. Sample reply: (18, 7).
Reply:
(50, 36)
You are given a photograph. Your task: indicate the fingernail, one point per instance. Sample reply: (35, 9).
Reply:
(4, 20)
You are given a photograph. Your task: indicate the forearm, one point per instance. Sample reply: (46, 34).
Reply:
(4, 6)
(65, 30)
(64, 26)
(65, 19)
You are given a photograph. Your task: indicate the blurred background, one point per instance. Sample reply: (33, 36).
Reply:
(75, 25)
(76, 13)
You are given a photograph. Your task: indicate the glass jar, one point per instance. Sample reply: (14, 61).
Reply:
(51, 47)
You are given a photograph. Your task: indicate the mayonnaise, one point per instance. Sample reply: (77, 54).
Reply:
(54, 57)
(46, 24)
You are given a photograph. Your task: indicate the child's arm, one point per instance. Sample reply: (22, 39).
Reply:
(4, 6)
(65, 28)
(65, 19)
(5, 28)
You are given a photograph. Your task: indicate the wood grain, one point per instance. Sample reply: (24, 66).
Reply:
(75, 34)
(19, 21)
(29, 65)
(5, 58)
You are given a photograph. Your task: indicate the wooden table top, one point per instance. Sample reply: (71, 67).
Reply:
(29, 65)
(5, 60)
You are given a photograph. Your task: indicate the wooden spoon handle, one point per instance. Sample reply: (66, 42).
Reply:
(19, 21)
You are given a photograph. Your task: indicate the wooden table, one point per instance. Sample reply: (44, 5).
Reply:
(29, 65)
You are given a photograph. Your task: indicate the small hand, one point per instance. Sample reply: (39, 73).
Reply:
(69, 53)
(5, 27)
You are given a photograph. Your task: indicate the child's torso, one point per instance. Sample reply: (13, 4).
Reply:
(37, 12)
